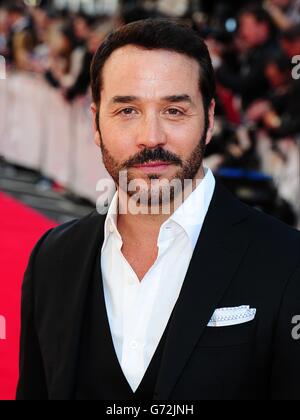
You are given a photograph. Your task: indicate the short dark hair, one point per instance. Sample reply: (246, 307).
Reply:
(157, 34)
(261, 15)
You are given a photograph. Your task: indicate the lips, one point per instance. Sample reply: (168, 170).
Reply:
(152, 165)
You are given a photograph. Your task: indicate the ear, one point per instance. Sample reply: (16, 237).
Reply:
(97, 138)
(211, 116)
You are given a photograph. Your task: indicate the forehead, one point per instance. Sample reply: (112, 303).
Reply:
(135, 71)
(248, 18)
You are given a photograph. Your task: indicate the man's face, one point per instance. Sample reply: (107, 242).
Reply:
(81, 28)
(142, 122)
(252, 32)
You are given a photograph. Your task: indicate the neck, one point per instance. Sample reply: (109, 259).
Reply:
(148, 225)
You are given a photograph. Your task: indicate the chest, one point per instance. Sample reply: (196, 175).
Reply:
(140, 259)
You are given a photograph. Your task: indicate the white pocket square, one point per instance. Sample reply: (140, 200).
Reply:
(227, 317)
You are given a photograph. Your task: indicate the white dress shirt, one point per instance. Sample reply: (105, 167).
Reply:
(139, 312)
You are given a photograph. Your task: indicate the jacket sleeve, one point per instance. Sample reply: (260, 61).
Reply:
(285, 379)
(32, 381)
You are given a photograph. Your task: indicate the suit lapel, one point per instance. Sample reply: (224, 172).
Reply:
(219, 251)
(77, 265)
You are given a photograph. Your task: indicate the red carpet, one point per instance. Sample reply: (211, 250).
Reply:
(20, 229)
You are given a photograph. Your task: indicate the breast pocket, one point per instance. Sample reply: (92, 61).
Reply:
(229, 336)
(220, 365)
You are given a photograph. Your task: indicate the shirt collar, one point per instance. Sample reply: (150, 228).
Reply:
(111, 219)
(189, 216)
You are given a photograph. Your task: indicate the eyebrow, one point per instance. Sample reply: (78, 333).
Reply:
(172, 99)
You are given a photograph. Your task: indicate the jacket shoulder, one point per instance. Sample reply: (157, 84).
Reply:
(69, 236)
(268, 225)
(259, 225)
(273, 237)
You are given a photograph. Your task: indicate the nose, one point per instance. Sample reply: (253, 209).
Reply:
(151, 133)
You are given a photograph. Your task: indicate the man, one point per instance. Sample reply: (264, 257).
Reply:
(258, 41)
(144, 305)
(282, 111)
(21, 39)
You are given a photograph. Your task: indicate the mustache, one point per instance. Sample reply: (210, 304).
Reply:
(153, 155)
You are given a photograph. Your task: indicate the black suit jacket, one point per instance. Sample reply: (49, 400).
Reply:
(242, 257)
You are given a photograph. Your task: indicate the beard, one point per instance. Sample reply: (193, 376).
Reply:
(151, 188)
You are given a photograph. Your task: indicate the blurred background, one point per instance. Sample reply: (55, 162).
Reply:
(48, 159)
(49, 165)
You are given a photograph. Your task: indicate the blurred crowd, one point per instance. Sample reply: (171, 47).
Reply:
(254, 46)
(54, 43)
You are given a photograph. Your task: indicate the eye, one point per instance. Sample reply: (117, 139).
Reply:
(126, 111)
(175, 112)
